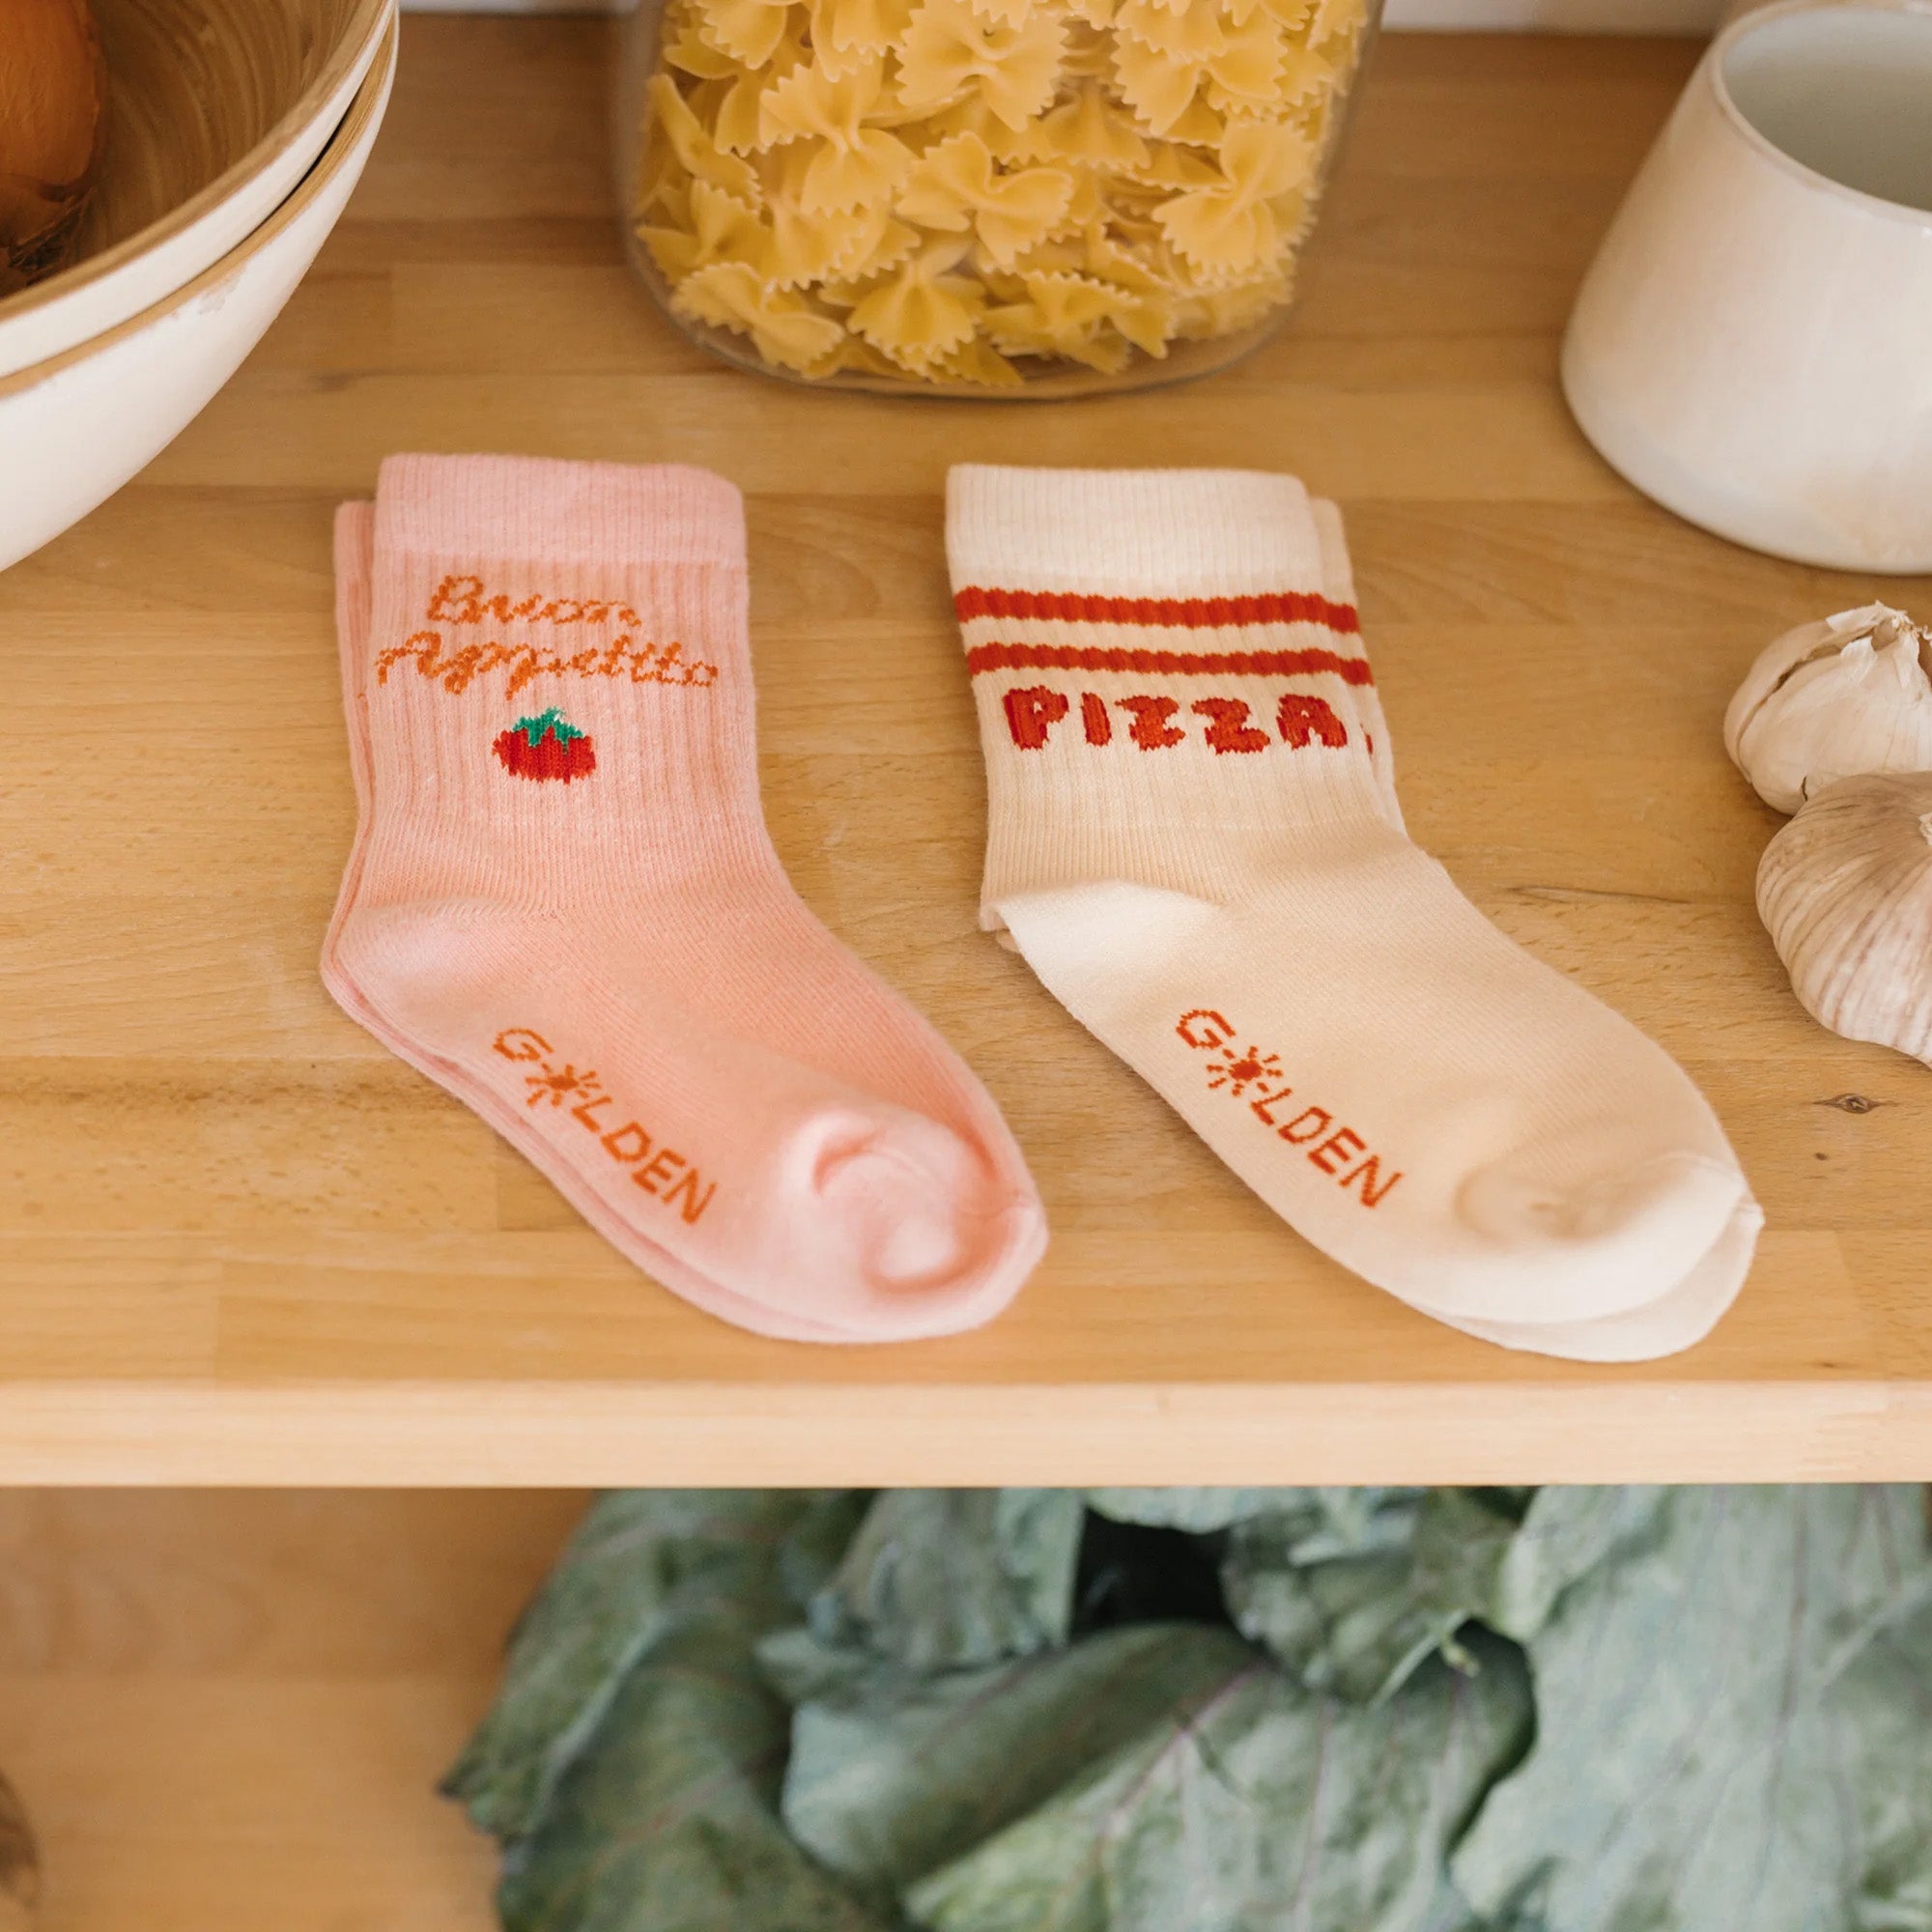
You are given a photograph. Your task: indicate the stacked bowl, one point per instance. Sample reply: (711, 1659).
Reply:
(235, 131)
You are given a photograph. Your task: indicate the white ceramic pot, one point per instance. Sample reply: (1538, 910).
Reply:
(76, 429)
(105, 289)
(1752, 346)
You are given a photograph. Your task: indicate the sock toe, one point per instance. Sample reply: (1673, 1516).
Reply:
(928, 1230)
(1678, 1318)
(1608, 1238)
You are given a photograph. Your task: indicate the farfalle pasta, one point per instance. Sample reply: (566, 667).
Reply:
(984, 195)
(957, 186)
(953, 52)
(1231, 226)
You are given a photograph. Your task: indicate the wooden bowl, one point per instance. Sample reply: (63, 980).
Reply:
(74, 429)
(215, 110)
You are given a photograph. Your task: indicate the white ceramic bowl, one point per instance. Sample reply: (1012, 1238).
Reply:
(1752, 346)
(286, 91)
(75, 429)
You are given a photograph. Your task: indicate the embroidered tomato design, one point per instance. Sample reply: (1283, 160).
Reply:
(545, 746)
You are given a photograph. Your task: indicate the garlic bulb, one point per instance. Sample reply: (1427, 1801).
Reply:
(1845, 892)
(1834, 699)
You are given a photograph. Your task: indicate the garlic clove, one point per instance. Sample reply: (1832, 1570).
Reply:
(1848, 696)
(1779, 659)
(1845, 892)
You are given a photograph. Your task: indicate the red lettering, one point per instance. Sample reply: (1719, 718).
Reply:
(1151, 731)
(461, 600)
(1342, 1145)
(669, 667)
(527, 1045)
(1323, 1119)
(664, 1164)
(1301, 719)
(1228, 727)
(640, 1147)
(425, 646)
(461, 669)
(1367, 1174)
(531, 666)
(1268, 1100)
(444, 607)
(1032, 711)
(586, 1112)
(1099, 727)
(694, 1203)
(1219, 1032)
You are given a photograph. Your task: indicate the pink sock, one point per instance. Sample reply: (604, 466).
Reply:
(354, 562)
(563, 906)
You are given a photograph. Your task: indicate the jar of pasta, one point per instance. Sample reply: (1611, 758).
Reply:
(981, 197)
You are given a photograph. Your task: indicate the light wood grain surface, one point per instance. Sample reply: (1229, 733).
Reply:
(228, 1712)
(242, 1243)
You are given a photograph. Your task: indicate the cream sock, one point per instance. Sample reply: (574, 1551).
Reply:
(1193, 846)
(1684, 1313)
(563, 899)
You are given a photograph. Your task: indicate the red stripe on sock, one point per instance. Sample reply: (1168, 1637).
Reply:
(1188, 613)
(1186, 664)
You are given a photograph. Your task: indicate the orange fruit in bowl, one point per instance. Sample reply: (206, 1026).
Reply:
(53, 98)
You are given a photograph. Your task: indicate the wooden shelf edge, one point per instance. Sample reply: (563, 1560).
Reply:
(550, 1435)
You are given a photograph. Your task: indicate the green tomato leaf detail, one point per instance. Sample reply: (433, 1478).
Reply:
(547, 723)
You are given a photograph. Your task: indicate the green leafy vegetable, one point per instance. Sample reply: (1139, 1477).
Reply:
(1353, 1595)
(1195, 1510)
(639, 1560)
(612, 1592)
(938, 1577)
(1734, 1695)
(1257, 1807)
(1222, 1711)
(668, 1821)
(893, 1773)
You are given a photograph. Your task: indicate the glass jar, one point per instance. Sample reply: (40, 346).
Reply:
(981, 197)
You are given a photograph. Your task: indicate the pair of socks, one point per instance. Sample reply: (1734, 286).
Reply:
(563, 906)
(1194, 842)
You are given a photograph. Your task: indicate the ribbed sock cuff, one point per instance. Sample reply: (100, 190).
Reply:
(355, 554)
(542, 509)
(1338, 574)
(1130, 533)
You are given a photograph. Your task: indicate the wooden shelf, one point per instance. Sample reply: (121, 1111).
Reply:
(240, 1243)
